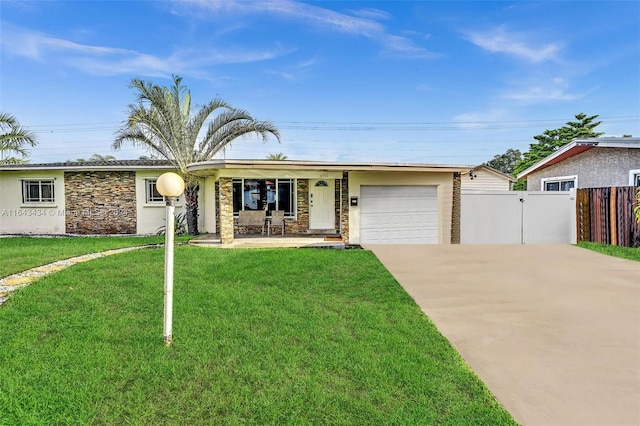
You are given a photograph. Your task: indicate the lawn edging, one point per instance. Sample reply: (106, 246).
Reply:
(13, 282)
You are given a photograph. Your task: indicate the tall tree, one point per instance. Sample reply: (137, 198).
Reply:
(276, 157)
(506, 162)
(14, 140)
(552, 140)
(97, 157)
(162, 121)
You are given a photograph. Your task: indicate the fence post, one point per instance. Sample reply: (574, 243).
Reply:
(613, 230)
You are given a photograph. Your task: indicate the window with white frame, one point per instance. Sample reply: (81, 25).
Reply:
(153, 196)
(563, 183)
(634, 177)
(265, 194)
(38, 191)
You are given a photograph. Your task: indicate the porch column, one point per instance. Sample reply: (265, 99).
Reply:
(344, 208)
(226, 210)
(455, 208)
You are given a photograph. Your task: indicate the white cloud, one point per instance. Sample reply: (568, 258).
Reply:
(480, 120)
(370, 13)
(538, 94)
(102, 60)
(499, 40)
(361, 23)
(555, 90)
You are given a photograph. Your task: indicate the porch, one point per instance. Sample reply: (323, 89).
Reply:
(273, 241)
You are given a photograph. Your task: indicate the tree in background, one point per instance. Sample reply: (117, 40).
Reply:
(551, 140)
(506, 162)
(276, 157)
(97, 157)
(163, 122)
(14, 140)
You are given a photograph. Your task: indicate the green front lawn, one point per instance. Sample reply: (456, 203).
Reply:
(280, 336)
(617, 251)
(18, 254)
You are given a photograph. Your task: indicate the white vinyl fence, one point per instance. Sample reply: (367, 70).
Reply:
(518, 217)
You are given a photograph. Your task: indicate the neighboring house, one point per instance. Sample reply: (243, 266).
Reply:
(485, 178)
(587, 163)
(363, 203)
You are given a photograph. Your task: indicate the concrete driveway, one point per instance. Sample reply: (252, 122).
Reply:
(553, 330)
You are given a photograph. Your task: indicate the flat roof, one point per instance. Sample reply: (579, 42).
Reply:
(208, 167)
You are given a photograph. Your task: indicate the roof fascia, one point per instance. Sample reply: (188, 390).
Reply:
(18, 168)
(495, 172)
(317, 165)
(561, 151)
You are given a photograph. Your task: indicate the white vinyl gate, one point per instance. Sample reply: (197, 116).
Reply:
(518, 217)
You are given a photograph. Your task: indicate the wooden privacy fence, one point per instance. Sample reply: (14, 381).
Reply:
(605, 215)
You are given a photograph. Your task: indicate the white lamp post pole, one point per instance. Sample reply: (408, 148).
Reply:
(169, 185)
(168, 272)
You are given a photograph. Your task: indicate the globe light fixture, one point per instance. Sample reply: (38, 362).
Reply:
(170, 186)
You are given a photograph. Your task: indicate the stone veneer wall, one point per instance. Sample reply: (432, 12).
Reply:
(337, 201)
(226, 210)
(301, 224)
(100, 202)
(344, 209)
(216, 195)
(455, 208)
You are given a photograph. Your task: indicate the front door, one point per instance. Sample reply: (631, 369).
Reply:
(322, 204)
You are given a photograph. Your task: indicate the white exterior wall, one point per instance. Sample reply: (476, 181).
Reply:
(484, 180)
(443, 181)
(17, 217)
(151, 216)
(207, 205)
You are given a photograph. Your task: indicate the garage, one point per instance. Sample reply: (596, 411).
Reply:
(399, 215)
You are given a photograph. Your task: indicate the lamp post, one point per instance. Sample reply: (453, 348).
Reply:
(170, 186)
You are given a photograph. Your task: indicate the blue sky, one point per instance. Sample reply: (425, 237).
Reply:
(399, 81)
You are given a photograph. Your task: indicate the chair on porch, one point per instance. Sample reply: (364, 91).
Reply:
(248, 218)
(277, 220)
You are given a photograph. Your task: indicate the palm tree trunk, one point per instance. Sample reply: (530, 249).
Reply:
(191, 205)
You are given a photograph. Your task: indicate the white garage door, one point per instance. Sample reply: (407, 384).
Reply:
(398, 215)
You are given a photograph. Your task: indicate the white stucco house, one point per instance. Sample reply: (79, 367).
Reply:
(360, 202)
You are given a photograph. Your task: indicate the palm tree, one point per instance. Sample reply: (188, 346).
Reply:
(276, 157)
(162, 122)
(13, 140)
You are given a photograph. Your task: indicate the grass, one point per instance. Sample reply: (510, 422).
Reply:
(22, 253)
(279, 336)
(617, 251)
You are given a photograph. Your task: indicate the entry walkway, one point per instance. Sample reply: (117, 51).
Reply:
(553, 330)
(274, 241)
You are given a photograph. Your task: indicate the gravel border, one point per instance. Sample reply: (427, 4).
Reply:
(11, 283)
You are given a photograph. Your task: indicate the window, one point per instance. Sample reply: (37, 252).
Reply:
(564, 183)
(153, 196)
(634, 177)
(264, 194)
(37, 191)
